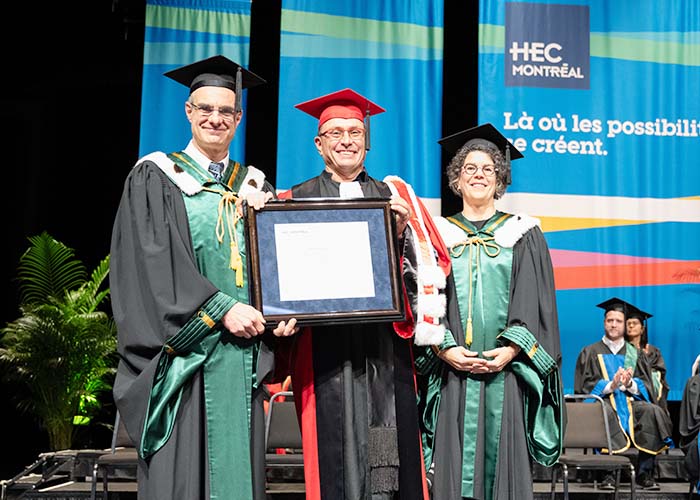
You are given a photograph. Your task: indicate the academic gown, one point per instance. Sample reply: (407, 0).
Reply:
(658, 371)
(689, 425)
(484, 430)
(184, 385)
(355, 393)
(634, 419)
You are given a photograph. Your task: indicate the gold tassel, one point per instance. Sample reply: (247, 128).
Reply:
(469, 332)
(236, 263)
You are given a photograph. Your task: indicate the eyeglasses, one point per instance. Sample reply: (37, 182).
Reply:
(227, 113)
(337, 133)
(488, 170)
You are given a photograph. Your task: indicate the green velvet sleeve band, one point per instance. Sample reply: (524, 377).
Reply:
(539, 358)
(543, 399)
(200, 324)
(181, 358)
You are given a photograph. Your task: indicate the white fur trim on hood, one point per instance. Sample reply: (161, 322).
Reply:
(513, 229)
(253, 181)
(182, 179)
(430, 301)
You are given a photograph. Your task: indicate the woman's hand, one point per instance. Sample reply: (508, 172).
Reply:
(463, 359)
(501, 357)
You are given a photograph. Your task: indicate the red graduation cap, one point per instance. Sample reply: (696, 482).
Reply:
(344, 103)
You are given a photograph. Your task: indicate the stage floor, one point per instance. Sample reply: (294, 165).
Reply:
(68, 489)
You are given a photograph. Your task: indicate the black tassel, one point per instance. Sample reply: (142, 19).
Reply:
(508, 177)
(239, 90)
(367, 129)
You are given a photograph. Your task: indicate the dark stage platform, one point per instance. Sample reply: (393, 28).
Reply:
(67, 475)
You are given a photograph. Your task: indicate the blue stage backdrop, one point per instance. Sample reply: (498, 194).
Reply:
(180, 32)
(388, 51)
(604, 106)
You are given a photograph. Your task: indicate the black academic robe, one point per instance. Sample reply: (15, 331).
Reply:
(635, 420)
(689, 425)
(658, 371)
(530, 301)
(158, 290)
(355, 393)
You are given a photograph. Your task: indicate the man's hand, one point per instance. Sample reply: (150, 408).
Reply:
(286, 329)
(622, 378)
(256, 199)
(402, 211)
(244, 321)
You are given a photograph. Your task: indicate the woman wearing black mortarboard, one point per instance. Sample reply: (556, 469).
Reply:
(496, 403)
(638, 335)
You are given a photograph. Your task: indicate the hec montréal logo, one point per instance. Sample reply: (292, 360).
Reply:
(547, 45)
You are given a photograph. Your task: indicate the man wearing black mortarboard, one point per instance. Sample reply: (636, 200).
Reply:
(188, 340)
(617, 371)
(484, 419)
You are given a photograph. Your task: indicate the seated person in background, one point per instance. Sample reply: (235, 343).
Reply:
(616, 371)
(689, 424)
(638, 335)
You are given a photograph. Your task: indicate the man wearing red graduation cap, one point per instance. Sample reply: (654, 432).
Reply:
(492, 402)
(186, 384)
(354, 384)
(617, 371)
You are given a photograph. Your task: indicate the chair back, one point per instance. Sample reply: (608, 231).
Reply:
(120, 438)
(282, 426)
(587, 422)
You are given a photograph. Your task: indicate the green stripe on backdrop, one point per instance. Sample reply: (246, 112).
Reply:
(198, 20)
(492, 37)
(354, 28)
(179, 54)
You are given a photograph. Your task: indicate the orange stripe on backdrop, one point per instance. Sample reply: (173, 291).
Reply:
(601, 276)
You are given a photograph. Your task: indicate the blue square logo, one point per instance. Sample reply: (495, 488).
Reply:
(547, 45)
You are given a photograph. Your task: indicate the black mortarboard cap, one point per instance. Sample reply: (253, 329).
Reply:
(615, 304)
(483, 134)
(642, 316)
(635, 312)
(216, 71)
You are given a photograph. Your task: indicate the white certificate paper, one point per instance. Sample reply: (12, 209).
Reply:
(324, 260)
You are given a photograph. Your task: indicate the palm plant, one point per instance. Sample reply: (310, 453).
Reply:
(62, 347)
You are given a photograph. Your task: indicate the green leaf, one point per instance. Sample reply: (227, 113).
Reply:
(48, 268)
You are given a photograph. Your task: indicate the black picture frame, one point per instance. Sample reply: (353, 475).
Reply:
(285, 232)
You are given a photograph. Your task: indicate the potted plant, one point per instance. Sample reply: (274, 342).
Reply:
(62, 348)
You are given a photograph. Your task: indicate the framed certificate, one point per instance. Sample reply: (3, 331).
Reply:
(324, 261)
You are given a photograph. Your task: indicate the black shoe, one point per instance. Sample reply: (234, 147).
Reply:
(646, 482)
(608, 483)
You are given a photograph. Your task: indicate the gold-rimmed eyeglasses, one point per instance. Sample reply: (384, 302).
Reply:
(337, 133)
(227, 113)
(488, 170)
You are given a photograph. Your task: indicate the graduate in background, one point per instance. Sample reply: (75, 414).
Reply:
(637, 333)
(623, 376)
(689, 426)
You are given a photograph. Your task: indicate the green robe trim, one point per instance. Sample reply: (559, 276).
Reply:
(481, 282)
(543, 405)
(226, 361)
